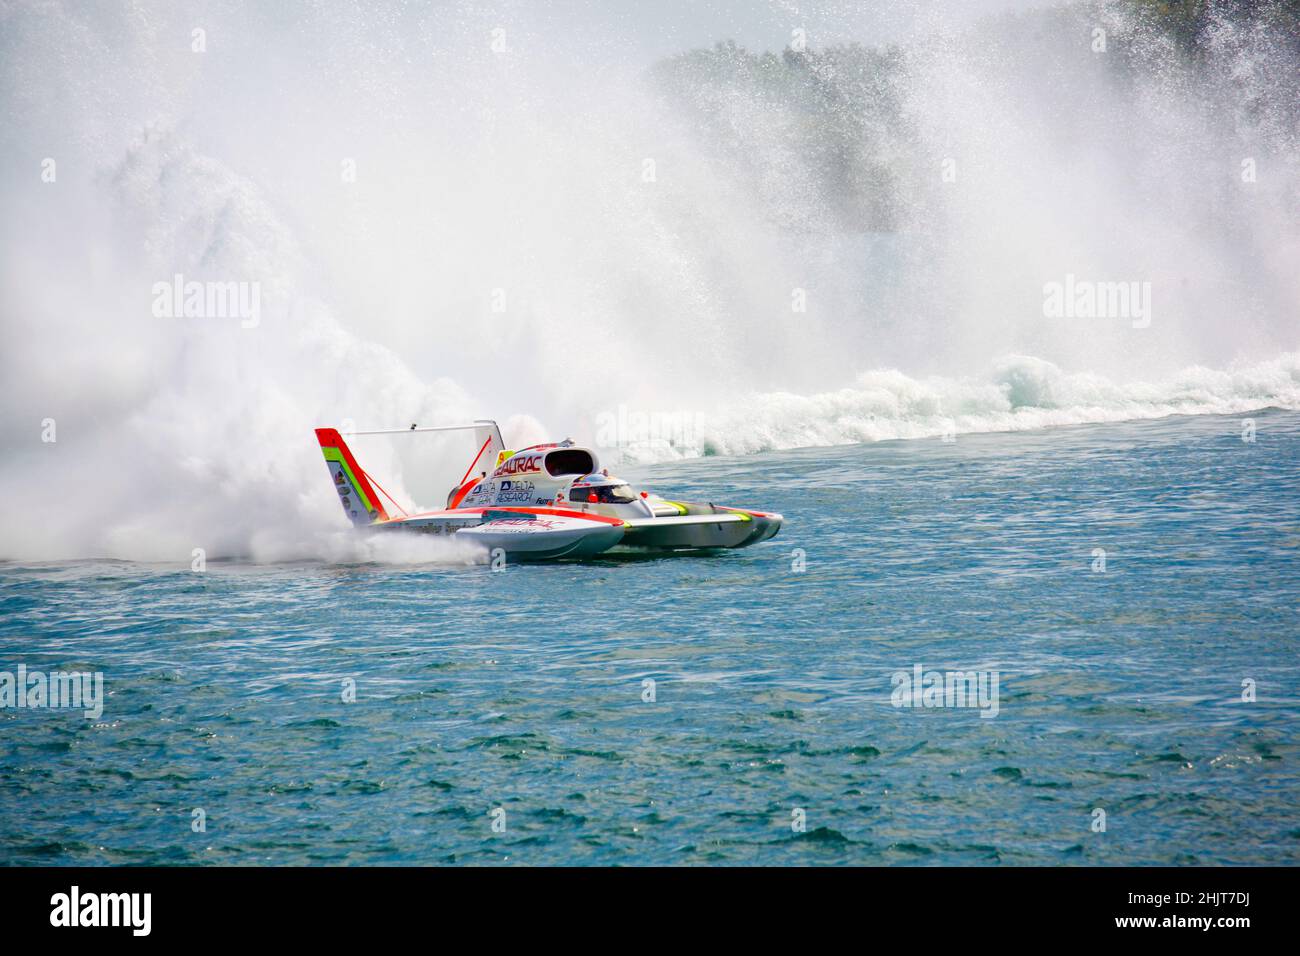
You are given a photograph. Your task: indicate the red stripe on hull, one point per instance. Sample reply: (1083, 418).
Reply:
(330, 438)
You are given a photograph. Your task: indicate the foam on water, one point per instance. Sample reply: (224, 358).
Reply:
(1019, 393)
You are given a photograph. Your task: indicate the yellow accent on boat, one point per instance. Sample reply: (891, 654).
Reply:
(681, 508)
(744, 515)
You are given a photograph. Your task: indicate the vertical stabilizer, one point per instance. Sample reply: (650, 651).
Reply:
(354, 489)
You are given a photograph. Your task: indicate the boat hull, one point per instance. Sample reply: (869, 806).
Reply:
(545, 539)
(524, 534)
(543, 534)
(730, 529)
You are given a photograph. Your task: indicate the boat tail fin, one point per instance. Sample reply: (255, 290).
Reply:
(360, 503)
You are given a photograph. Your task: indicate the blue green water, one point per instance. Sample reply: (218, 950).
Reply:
(1120, 690)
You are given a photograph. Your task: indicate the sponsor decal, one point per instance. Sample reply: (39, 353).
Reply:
(479, 494)
(524, 524)
(516, 491)
(519, 465)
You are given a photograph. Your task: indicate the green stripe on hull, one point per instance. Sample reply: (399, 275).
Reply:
(334, 455)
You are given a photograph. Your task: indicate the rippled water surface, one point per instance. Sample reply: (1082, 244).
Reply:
(524, 690)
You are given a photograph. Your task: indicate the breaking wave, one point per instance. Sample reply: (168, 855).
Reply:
(1021, 393)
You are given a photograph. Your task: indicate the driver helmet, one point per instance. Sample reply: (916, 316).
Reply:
(601, 488)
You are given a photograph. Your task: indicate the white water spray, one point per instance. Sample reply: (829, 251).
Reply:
(447, 222)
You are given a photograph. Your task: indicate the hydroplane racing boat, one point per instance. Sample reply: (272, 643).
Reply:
(545, 501)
